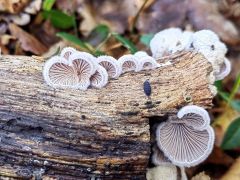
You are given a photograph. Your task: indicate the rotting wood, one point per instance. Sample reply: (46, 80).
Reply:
(102, 133)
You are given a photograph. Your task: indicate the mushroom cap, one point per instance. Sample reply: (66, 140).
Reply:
(20, 19)
(185, 141)
(111, 65)
(183, 43)
(67, 51)
(140, 54)
(209, 44)
(161, 41)
(100, 78)
(147, 63)
(225, 70)
(129, 63)
(59, 73)
(33, 7)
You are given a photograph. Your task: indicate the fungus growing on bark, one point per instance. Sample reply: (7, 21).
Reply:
(209, 44)
(186, 139)
(111, 65)
(129, 63)
(59, 73)
(163, 40)
(67, 51)
(100, 78)
(145, 61)
(225, 70)
(73, 73)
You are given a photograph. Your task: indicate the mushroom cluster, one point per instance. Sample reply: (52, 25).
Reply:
(206, 42)
(81, 70)
(185, 139)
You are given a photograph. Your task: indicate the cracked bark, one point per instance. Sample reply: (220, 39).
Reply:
(70, 134)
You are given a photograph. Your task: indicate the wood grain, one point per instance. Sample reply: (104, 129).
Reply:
(70, 134)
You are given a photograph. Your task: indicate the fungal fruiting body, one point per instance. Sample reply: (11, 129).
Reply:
(72, 73)
(129, 63)
(161, 41)
(206, 42)
(100, 78)
(225, 70)
(186, 139)
(67, 51)
(111, 65)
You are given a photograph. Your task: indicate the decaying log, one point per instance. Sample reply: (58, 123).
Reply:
(102, 133)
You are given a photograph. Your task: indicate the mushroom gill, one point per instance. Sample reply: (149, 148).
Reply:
(129, 63)
(186, 139)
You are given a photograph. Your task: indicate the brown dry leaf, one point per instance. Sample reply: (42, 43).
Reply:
(218, 157)
(27, 41)
(67, 6)
(222, 122)
(116, 14)
(12, 6)
(204, 14)
(201, 176)
(163, 14)
(234, 172)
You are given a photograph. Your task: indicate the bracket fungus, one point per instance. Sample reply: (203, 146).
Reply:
(225, 70)
(67, 51)
(111, 65)
(73, 73)
(206, 42)
(129, 63)
(186, 139)
(100, 78)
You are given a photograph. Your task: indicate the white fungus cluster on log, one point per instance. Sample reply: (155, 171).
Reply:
(81, 70)
(185, 139)
(206, 42)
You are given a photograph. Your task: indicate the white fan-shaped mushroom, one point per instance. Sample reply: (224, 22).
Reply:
(139, 54)
(59, 73)
(100, 78)
(183, 43)
(67, 51)
(148, 62)
(225, 70)
(194, 116)
(111, 65)
(129, 63)
(85, 66)
(161, 41)
(183, 142)
(208, 43)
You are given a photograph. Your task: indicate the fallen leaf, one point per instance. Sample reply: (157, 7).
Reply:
(161, 15)
(218, 157)
(222, 123)
(204, 14)
(13, 6)
(27, 41)
(234, 172)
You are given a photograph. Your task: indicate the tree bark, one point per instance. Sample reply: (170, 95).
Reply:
(98, 133)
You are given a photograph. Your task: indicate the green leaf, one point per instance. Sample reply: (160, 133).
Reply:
(231, 139)
(146, 38)
(125, 42)
(219, 85)
(73, 39)
(48, 4)
(98, 35)
(236, 105)
(235, 88)
(59, 19)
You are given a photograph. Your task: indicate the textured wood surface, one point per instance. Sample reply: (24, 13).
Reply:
(103, 133)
